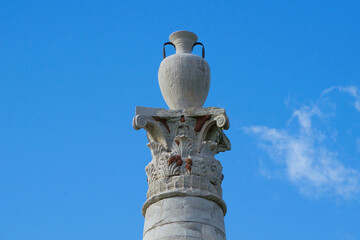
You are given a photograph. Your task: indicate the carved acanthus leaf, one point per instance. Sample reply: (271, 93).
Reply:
(184, 141)
(156, 149)
(215, 172)
(182, 146)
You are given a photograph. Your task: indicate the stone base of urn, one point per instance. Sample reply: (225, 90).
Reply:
(184, 199)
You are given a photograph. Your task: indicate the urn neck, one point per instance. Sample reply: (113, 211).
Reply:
(183, 41)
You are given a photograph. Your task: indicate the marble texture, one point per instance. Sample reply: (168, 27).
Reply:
(184, 199)
(184, 78)
(184, 185)
(184, 218)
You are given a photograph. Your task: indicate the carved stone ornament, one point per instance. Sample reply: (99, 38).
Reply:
(183, 144)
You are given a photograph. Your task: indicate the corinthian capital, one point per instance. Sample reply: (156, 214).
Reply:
(183, 144)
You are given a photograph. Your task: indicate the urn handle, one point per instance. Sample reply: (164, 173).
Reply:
(167, 43)
(197, 43)
(203, 48)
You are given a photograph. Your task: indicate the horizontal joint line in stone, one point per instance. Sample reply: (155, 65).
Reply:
(182, 221)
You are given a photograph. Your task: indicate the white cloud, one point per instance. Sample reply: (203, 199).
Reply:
(304, 116)
(352, 90)
(304, 157)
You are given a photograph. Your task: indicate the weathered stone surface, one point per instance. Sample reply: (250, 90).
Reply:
(184, 218)
(184, 199)
(175, 136)
(184, 185)
(184, 78)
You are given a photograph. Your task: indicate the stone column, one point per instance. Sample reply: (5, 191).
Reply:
(184, 199)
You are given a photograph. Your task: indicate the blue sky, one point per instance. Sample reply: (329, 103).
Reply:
(72, 72)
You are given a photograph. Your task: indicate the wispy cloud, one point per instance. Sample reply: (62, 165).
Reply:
(352, 90)
(305, 158)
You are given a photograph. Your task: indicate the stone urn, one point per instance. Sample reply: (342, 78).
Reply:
(184, 78)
